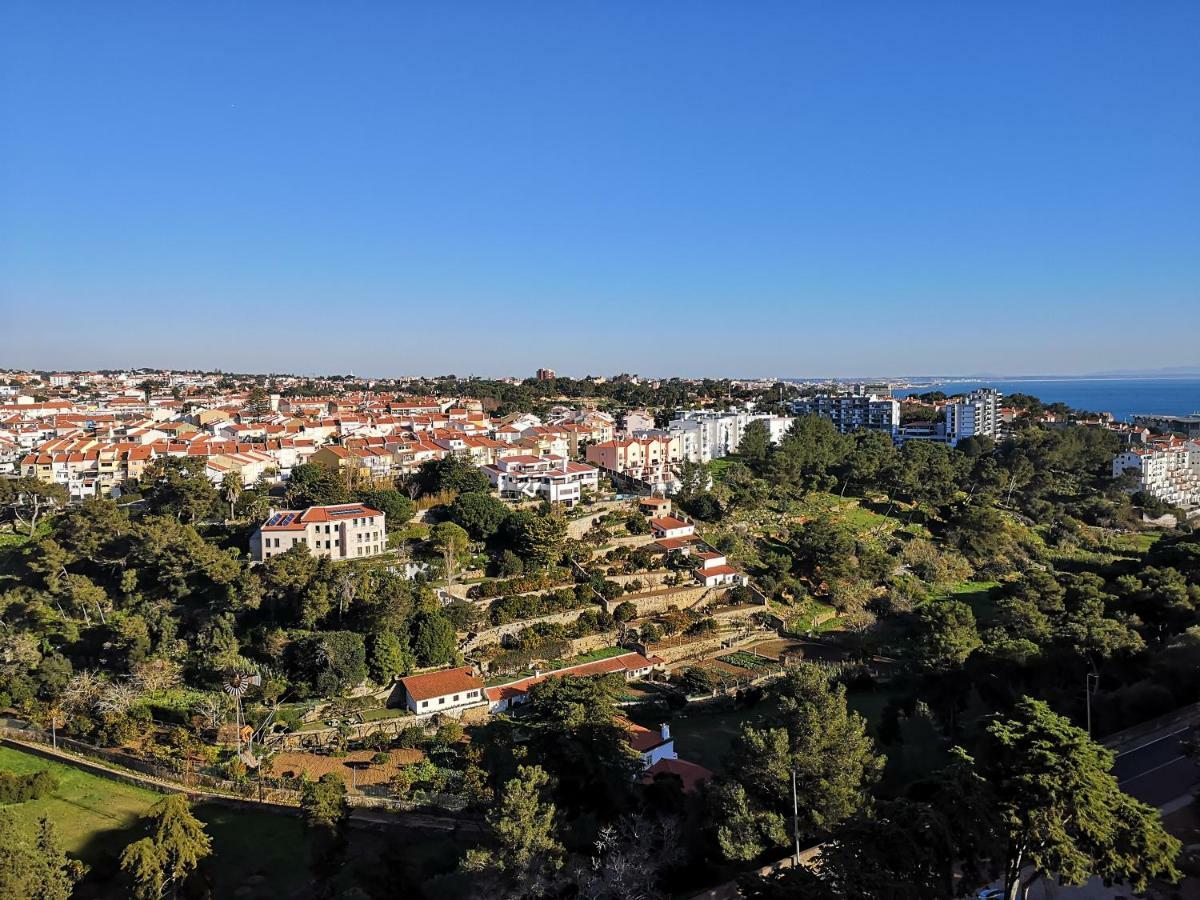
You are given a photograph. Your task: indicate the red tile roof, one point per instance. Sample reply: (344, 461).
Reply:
(691, 774)
(439, 684)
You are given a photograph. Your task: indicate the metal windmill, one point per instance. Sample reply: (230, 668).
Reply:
(235, 684)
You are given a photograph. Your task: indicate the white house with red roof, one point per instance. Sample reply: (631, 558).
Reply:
(714, 570)
(341, 531)
(654, 745)
(445, 691)
(671, 527)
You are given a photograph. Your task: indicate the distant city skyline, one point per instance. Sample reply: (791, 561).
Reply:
(1186, 373)
(696, 189)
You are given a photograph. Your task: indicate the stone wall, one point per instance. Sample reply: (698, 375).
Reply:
(683, 597)
(648, 579)
(670, 652)
(592, 642)
(497, 633)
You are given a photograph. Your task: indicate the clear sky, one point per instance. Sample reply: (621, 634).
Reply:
(786, 188)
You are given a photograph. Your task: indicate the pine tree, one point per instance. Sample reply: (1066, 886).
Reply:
(1061, 810)
(176, 845)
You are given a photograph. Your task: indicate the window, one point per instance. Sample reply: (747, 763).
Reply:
(441, 701)
(424, 703)
(456, 698)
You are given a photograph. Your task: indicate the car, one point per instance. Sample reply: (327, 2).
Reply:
(991, 894)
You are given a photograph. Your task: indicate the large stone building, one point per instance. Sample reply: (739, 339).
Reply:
(343, 531)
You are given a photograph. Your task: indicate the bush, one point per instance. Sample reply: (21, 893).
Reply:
(625, 611)
(20, 788)
(534, 581)
(411, 737)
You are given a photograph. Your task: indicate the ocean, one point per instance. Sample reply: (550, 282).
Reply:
(1123, 397)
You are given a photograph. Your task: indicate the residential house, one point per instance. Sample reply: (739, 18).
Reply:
(670, 527)
(341, 531)
(553, 478)
(715, 570)
(446, 691)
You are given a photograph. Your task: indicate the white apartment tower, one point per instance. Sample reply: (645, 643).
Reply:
(977, 414)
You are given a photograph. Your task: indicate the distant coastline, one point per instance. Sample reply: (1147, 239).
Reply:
(1123, 397)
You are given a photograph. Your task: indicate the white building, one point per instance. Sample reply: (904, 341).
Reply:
(707, 434)
(553, 478)
(777, 426)
(1168, 469)
(343, 531)
(976, 415)
(714, 569)
(670, 527)
(447, 691)
(653, 745)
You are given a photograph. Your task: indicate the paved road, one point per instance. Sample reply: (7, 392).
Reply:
(1157, 771)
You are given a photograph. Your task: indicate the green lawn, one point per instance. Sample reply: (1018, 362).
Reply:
(382, 712)
(717, 467)
(256, 854)
(89, 811)
(18, 537)
(1136, 542)
(981, 596)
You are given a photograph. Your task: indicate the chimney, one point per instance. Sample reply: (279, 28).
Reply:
(665, 731)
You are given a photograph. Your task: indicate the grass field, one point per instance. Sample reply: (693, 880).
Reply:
(981, 596)
(86, 809)
(1137, 542)
(256, 855)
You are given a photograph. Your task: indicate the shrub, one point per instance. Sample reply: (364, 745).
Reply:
(20, 788)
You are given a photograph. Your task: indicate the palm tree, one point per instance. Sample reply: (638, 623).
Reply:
(231, 488)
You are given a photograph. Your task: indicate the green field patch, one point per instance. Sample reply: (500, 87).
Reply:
(89, 811)
(981, 596)
(256, 854)
(746, 660)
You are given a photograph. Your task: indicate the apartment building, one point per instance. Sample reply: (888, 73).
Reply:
(87, 467)
(851, 412)
(706, 435)
(342, 531)
(646, 459)
(1168, 468)
(978, 414)
(553, 478)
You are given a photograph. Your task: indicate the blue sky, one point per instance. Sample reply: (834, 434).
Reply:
(690, 188)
